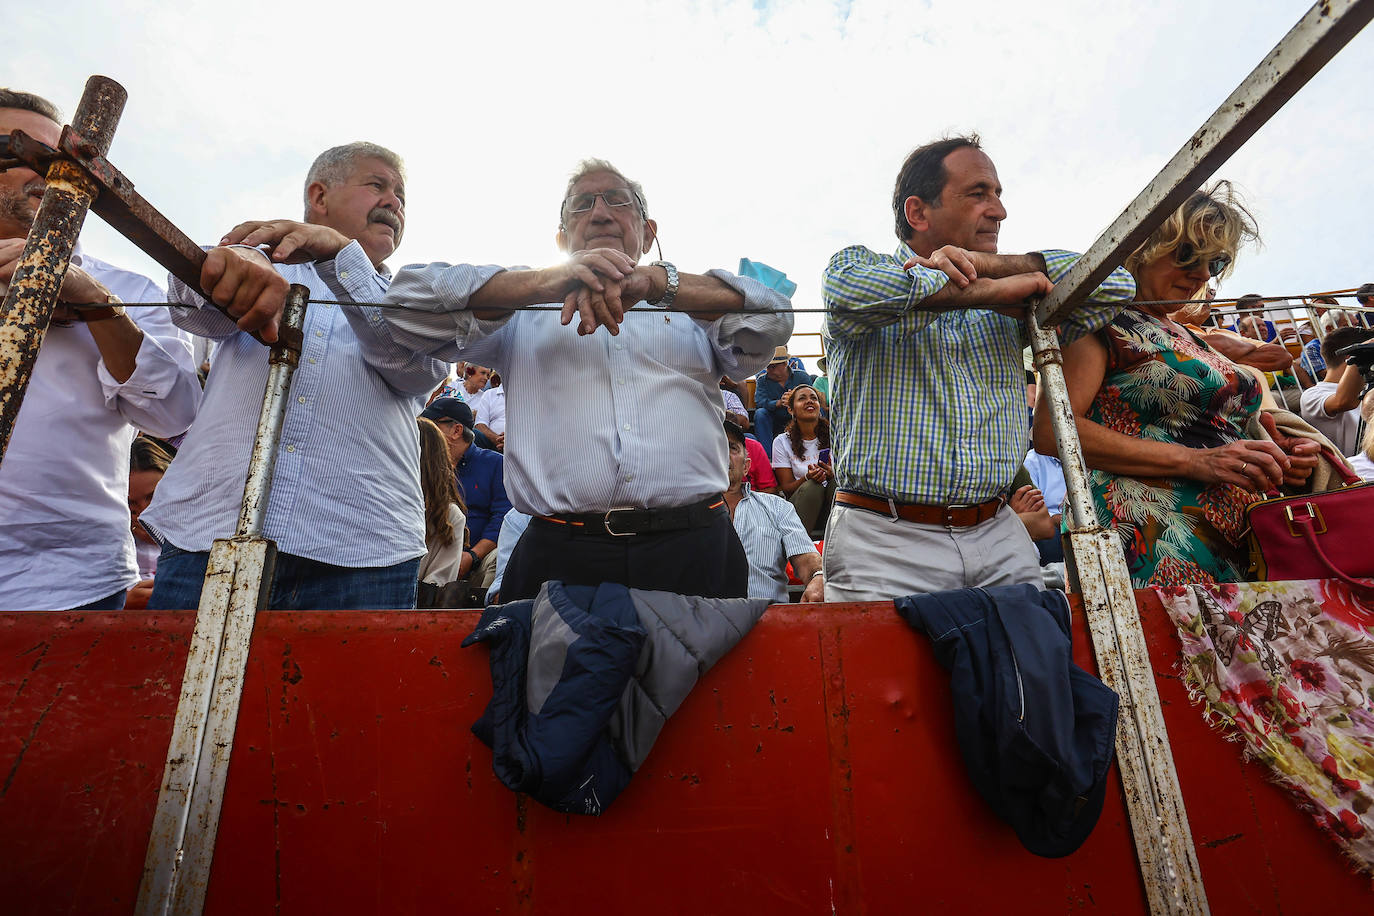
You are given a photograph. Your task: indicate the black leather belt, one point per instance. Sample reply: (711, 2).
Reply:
(624, 521)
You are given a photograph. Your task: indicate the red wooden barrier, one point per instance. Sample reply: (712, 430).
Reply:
(812, 771)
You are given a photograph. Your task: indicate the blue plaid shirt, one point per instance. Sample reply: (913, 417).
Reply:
(929, 407)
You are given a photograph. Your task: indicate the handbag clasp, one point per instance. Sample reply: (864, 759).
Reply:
(1313, 514)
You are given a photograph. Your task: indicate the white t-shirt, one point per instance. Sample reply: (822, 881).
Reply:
(1342, 429)
(783, 457)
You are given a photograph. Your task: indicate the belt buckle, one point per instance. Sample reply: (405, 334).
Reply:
(950, 510)
(606, 521)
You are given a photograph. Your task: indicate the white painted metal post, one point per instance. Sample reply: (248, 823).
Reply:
(176, 869)
(1154, 800)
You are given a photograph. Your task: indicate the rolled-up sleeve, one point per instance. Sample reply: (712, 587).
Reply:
(863, 291)
(1105, 303)
(406, 369)
(745, 341)
(433, 316)
(163, 393)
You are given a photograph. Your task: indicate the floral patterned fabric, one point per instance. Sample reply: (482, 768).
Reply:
(1289, 667)
(1166, 385)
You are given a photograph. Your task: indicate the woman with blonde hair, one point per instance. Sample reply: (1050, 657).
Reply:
(1162, 415)
(445, 515)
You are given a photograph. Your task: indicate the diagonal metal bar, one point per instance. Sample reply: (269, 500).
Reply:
(1326, 28)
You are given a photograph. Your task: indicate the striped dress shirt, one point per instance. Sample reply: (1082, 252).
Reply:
(346, 483)
(597, 422)
(772, 534)
(929, 407)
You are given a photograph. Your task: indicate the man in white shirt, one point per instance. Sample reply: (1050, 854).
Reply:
(65, 539)
(770, 531)
(491, 417)
(1330, 404)
(345, 509)
(621, 463)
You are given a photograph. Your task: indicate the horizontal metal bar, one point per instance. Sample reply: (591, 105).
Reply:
(1326, 28)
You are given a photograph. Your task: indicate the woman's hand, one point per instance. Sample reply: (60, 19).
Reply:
(820, 472)
(1247, 463)
(1303, 454)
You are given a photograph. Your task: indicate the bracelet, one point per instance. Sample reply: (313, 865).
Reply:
(818, 572)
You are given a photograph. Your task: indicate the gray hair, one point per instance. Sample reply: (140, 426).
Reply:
(334, 164)
(593, 166)
(27, 101)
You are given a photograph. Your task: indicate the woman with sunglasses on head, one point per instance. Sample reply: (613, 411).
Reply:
(1162, 415)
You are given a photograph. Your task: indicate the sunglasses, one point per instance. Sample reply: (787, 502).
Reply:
(1187, 259)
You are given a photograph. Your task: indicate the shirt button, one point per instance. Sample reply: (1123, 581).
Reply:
(300, 400)
(620, 346)
(312, 359)
(319, 333)
(629, 477)
(620, 381)
(343, 275)
(627, 426)
(290, 448)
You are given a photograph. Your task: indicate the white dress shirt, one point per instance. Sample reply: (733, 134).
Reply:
(600, 421)
(346, 484)
(491, 412)
(771, 533)
(65, 539)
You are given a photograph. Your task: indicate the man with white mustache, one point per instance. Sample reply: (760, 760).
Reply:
(346, 510)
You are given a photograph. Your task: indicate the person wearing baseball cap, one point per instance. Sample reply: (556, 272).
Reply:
(481, 482)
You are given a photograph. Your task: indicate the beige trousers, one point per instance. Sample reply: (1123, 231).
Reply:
(870, 557)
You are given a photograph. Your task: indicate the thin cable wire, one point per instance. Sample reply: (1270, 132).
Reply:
(896, 304)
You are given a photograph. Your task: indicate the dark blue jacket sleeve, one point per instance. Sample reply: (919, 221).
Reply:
(500, 504)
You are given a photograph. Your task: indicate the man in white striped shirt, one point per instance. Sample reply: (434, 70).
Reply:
(622, 464)
(345, 510)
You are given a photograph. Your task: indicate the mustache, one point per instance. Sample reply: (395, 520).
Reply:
(383, 215)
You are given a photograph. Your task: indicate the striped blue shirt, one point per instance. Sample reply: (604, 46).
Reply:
(772, 534)
(346, 484)
(927, 406)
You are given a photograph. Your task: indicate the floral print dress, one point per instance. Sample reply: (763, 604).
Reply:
(1164, 384)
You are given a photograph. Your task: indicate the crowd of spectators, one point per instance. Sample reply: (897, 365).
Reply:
(400, 478)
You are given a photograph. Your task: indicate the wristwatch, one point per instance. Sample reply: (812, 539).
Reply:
(111, 309)
(670, 291)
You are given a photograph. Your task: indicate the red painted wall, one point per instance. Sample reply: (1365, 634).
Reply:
(812, 771)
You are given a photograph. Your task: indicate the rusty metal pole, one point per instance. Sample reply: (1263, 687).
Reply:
(238, 576)
(1154, 799)
(1326, 28)
(37, 280)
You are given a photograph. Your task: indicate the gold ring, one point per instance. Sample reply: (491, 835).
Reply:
(1243, 466)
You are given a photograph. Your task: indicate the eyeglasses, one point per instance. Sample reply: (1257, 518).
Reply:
(615, 197)
(1187, 259)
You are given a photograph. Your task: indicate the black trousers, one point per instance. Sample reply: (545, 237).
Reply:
(708, 561)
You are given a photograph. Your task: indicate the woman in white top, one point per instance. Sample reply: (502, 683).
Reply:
(445, 514)
(801, 458)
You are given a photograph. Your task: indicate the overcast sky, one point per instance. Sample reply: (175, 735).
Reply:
(765, 130)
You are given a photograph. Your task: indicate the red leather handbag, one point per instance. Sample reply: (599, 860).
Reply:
(1320, 536)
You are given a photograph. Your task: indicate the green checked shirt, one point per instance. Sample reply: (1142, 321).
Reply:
(930, 407)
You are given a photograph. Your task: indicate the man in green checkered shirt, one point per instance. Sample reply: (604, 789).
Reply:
(928, 413)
